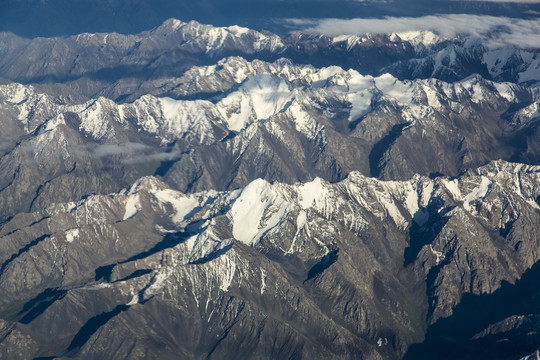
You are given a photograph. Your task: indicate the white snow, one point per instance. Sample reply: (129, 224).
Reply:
(134, 300)
(401, 91)
(263, 280)
(438, 255)
(225, 268)
(506, 91)
(133, 206)
(427, 192)
(258, 209)
(361, 104)
(532, 73)
(94, 122)
(419, 37)
(453, 188)
(478, 192)
(182, 205)
(72, 234)
(304, 123)
(314, 194)
(411, 201)
(432, 96)
(301, 222)
(170, 119)
(387, 201)
(259, 98)
(497, 59)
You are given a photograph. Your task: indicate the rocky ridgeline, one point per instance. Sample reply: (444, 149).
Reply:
(253, 263)
(214, 195)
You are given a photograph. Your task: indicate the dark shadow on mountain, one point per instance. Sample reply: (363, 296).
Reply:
(37, 306)
(170, 240)
(323, 264)
(104, 272)
(135, 274)
(380, 148)
(93, 325)
(166, 165)
(426, 226)
(231, 135)
(22, 251)
(27, 226)
(213, 255)
(514, 108)
(452, 337)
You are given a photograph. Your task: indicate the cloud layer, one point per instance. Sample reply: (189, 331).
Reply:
(498, 31)
(510, 1)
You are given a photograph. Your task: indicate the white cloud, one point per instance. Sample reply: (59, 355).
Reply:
(499, 31)
(511, 1)
(132, 152)
(154, 157)
(104, 150)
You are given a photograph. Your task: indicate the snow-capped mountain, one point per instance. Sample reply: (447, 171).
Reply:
(215, 259)
(93, 63)
(230, 191)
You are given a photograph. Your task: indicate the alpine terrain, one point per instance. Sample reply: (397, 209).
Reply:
(203, 192)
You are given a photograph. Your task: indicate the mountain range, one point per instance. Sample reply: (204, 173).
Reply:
(194, 191)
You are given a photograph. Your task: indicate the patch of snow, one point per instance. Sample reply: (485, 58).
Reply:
(401, 91)
(453, 188)
(225, 268)
(257, 210)
(506, 90)
(419, 37)
(432, 96)
(361, 104)
(134, 300)
(133, 206)
(532, 73)
(304, 123)
(411, 200)
(497, 59)
(315, 194)
(158, 282)
(479, 192)
(259, 98)
(93, 119)
(263, 280)
(301, 222)
(427, 192)
(438, 255)
(269, 95)
(71, 235)
(182, 205)
(387, 201)
(171, 119)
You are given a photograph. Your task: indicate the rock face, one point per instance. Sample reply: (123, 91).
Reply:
(216, 198)
(246, 270)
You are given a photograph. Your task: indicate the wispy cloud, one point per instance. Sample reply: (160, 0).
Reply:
(132, 153)
(153, 157)
(103, 150)
(498, 31)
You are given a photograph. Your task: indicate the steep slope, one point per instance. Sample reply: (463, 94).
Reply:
(332, 121)
(196, 192)
(213, 273)
(92, 63)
